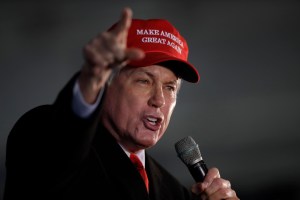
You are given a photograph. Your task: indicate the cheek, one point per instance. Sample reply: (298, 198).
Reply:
(130, 105)
(171, 106)
(168, 111)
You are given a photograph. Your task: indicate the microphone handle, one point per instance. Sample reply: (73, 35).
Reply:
(198, 171)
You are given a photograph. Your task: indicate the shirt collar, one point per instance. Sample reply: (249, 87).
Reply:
(140, 154)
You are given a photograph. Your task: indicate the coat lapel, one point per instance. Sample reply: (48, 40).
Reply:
(125, 178)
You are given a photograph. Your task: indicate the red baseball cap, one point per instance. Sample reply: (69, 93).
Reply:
(162, 44)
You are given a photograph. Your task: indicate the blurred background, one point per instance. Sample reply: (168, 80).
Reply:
(244, 113)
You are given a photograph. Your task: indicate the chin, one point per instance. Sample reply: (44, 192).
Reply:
(147, 142)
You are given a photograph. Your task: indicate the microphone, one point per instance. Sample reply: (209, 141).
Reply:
(189, 153)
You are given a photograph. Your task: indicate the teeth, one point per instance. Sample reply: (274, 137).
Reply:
(152, 119)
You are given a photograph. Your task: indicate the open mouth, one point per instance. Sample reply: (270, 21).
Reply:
(152, 120)
(152, 123)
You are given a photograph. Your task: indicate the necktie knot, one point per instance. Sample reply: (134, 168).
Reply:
(139, 166)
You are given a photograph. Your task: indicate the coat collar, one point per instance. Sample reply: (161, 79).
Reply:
(118, 166)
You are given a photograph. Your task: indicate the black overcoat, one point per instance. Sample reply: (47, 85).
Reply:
(53, 154)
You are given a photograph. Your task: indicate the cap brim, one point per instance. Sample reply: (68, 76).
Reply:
(181, 68)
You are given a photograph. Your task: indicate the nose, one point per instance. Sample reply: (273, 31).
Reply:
(157, 98)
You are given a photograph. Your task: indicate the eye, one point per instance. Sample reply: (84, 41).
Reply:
(171, 88)
(143, 81)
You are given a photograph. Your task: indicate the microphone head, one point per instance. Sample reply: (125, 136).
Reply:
(188, 151)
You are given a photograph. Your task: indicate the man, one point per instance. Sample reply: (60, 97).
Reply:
(109, 113)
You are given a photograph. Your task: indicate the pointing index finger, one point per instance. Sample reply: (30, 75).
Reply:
(124, 23)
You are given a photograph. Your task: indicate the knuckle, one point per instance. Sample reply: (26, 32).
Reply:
(226, 192)
(222, 183)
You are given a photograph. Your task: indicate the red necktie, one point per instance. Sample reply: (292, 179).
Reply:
(138, 164)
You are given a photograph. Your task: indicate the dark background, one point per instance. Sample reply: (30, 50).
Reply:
(244, 113)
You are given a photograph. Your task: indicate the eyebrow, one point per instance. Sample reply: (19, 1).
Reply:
(153, 76)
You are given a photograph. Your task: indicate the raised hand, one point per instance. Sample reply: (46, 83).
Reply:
(103, 54)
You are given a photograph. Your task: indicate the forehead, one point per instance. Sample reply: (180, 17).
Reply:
(152, 70)
(157, 73)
